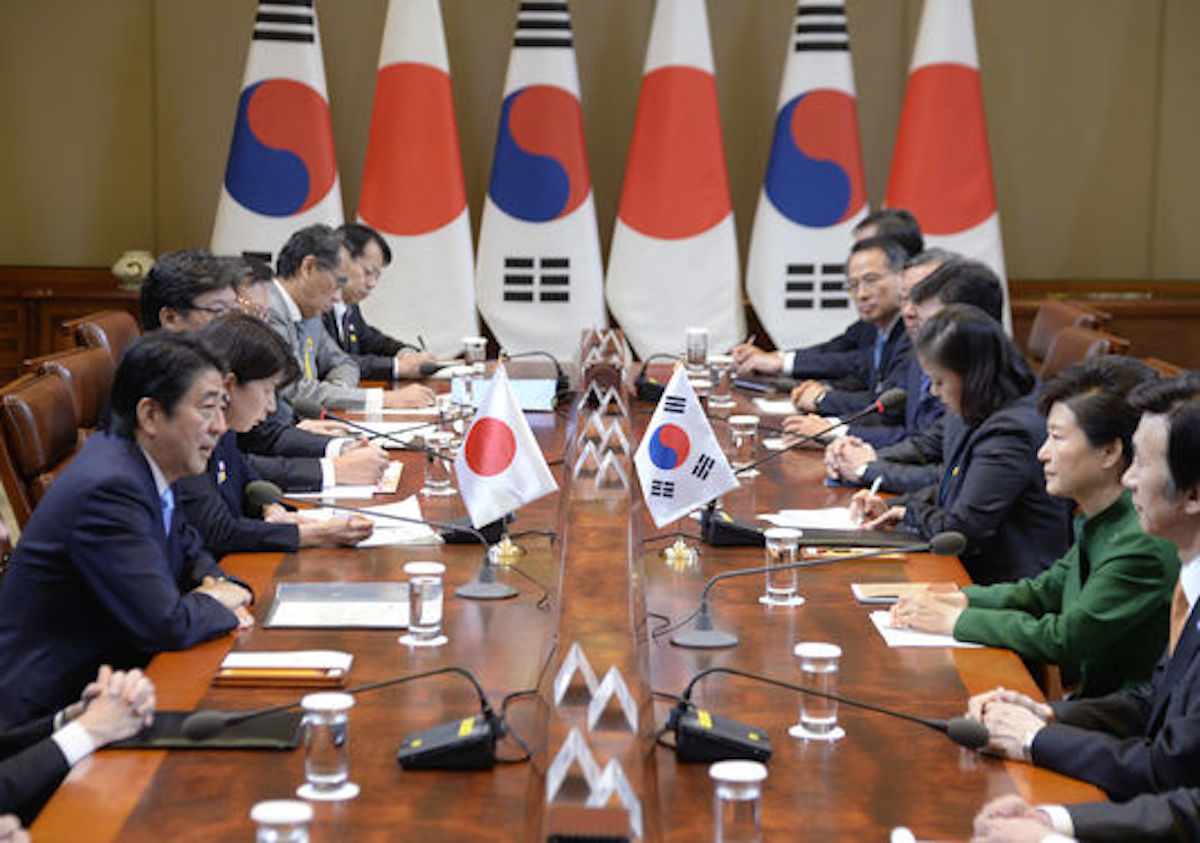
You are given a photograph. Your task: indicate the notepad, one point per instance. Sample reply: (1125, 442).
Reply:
(884, 592)
(774, 406)
(903, 637)
(287, 668)
(339, 605)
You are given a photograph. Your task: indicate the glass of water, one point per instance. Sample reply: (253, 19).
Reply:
(782, 548)
(743, 433)
(439, 470)
(475, 353)
(282, 821)
(424, 604)
(327, 748)
(818, 670)
(737, 800)
(721, 369)
(697, 350)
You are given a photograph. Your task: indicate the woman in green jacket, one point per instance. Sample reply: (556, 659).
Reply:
(1100, 612)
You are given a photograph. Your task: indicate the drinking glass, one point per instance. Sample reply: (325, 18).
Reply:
(721, 369)
(439, 470)
(819, 671)
(737, 800)
(782, 546)
(282, 821)
(327, 747)
(743, 432)
(424, 604)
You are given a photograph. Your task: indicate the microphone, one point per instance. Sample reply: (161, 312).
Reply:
(701, 736)
(561, 384)
(260, 493)
(704, 635)
(432, 367)
(647, 388)
(886, 402)
(308, 408)
(473, 745)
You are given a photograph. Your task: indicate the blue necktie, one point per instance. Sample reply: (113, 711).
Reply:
(167, 500)
(880, 342)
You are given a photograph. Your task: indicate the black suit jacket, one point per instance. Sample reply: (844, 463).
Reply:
(846, 355)
(921, 409)
(213, 503)
(371, 349)
(892, 363)
(993, 491)
(96, 580)
(31, 768)
(1170, 816)
(1133, 742)
(284, 454)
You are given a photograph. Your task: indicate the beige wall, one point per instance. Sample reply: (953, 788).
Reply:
(117, 115)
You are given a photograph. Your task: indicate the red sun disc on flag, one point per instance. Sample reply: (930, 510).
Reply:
(490, 447)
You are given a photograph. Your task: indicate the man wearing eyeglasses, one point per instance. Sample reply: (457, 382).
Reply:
(184, 291)
(312, 267)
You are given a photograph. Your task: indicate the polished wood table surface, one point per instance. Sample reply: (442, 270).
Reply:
(599, 582)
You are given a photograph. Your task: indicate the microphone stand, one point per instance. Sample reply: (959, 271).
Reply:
(484, 587)
(703, 635)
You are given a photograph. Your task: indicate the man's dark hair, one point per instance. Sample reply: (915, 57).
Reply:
(1177, 398)
(962, 281)
(177, 279)
(1097, 393)
(161, 366)
(931, 255)
(973, 345)
(898, 224)
(893, 251)
(357, 236)
(250, 350)
(320, 241)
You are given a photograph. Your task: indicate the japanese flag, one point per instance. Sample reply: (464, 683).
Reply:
(679, 462)
(500, 466)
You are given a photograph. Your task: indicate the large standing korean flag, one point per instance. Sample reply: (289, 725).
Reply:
(941, 166)
(413, 191)
(679, 461)
(282, 172)
(500, 466)
(538, 275)
(673, 262)
(813, 194)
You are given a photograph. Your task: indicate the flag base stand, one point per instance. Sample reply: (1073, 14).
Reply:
(679, 555)
(505, 552)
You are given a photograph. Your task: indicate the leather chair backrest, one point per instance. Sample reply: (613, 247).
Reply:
(40, 436)
(1074, 344)
(88, 373)
(1051, 317)
(109, 329)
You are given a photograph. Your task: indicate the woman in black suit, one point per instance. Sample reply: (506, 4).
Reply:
(259, 363)
(992, 489)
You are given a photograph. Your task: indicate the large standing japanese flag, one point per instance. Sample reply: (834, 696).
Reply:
(413, 191)
(673, 262)
(282, 172)
(941, 166)
(538, 276)
(679, 461)
(500, 466)
(813, 193)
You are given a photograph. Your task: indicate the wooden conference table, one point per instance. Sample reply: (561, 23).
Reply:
(608, 589)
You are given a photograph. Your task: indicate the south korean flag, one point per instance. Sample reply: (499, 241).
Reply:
(679, 462)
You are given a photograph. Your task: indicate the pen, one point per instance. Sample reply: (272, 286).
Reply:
(421, 340)
(876, 484)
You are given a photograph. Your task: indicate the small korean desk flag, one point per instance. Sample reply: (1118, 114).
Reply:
(282, 171)
(679, 462)
(500, 466)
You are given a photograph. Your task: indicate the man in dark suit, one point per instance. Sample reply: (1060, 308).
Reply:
(105, 573)
(379, 357)
(1146, 740)
(36, 756)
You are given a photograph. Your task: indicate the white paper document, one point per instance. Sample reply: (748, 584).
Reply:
(775, 406)
(322, 659)
(340, 605)
(901, 637)
(390, 532)
(830, 518)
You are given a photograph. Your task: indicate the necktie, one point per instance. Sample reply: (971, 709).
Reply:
(307, 342)
(167, 501)
(347, 331)
(1179, 614)
(877, 358)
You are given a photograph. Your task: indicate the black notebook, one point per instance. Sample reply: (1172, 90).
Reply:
(281, 730)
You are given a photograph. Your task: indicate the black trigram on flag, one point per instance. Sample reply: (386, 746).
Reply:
(285, 20)
(543, 24)
(662, 489)
(674, 404)
(821, 28)
(537, 279)
(703, 467)
(816, 286)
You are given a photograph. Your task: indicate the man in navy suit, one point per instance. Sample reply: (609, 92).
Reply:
(1146, 740)
(36, 756)
(379, 357)
(105, 572)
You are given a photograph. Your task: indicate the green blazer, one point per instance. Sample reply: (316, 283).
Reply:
(1100, 612)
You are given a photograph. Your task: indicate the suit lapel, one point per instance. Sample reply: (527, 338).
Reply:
(1176, 668)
